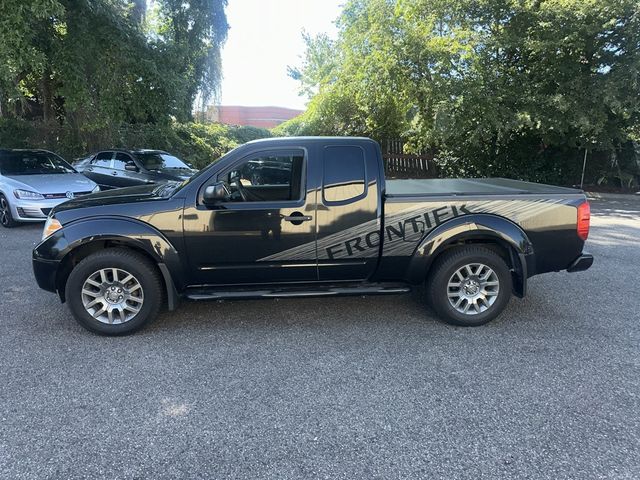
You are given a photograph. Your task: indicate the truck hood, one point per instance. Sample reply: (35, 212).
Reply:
(54, 183)
(117, 196)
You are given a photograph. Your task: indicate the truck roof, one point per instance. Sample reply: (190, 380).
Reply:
(298, 140)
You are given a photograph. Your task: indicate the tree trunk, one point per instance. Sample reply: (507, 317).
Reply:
(47, 97)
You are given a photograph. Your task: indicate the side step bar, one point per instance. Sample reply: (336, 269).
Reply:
(281, 292)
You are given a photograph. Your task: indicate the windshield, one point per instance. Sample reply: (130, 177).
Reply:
(160, 161)
(33, 163)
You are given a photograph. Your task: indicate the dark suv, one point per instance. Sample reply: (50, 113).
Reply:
(125, 168)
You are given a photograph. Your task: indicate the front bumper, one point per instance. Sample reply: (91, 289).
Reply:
(45, 272)
(33, 210)
(46, 258)
(583, 262)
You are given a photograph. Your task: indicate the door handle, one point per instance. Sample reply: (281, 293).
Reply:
(114, 173)
(297, 218)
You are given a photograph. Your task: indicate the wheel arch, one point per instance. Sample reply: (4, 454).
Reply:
(80, 239)
(492, 231)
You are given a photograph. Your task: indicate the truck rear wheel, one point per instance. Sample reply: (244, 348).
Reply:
(114, 292)
(469, 286)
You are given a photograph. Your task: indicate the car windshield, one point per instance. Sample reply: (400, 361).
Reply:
(160, 161)
(33, 163)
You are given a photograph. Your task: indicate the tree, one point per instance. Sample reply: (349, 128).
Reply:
(190, 36)
(498, 86)
(27, 35)
(92, 64)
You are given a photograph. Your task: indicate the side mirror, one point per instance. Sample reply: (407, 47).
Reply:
(131, 167)
(215, 193)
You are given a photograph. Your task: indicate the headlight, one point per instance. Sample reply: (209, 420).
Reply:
(27, 195)
(97, 189)
(50, 227)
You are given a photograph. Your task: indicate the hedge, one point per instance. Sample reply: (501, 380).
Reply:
(197, 143)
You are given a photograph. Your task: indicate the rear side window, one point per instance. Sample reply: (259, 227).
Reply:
(103, 159)
(344, 174)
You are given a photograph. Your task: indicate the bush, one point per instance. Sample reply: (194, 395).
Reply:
(197, 143)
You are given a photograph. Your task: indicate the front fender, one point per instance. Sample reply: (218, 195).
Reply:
(474, 227)
(123, 231)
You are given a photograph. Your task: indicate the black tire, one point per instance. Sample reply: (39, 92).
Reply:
(443, 271)
(6, 218)
(145, 273)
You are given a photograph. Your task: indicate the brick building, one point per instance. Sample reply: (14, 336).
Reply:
(265, 117)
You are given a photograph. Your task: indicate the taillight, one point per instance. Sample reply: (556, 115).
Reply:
(584, 217)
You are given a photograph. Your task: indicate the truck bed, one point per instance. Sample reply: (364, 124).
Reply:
(470, 186)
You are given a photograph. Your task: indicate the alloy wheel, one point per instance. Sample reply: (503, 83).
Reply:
(5, 212)
(112, 295)
(473, 288)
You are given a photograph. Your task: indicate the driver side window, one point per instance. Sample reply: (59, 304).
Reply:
(265, 177)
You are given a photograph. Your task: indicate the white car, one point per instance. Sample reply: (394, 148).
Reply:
(32, 182)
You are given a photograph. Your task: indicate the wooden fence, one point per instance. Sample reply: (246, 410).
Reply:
(401, 165)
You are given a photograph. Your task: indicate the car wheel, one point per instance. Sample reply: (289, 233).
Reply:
(6, 218)
(114, 292)
(469, 286)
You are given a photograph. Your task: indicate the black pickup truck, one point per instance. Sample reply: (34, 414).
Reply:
(314, 216)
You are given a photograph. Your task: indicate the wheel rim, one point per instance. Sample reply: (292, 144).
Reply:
(473, 289)
(112, 296)
(4, 211)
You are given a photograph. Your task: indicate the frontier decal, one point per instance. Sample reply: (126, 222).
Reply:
(404, 230)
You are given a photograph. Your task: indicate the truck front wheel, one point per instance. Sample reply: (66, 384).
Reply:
(469, 286)
(114, 292)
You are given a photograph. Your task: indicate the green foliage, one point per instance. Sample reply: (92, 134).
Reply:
(320, 64)
(189, 37)
(499, 87)
(98, 63)
(197, 143)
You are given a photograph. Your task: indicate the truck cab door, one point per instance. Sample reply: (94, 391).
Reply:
(264, 231)
(349, 212)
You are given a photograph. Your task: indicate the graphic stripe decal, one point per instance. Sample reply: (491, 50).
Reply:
(362, 241)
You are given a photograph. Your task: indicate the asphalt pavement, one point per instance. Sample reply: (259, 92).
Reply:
(336, 388)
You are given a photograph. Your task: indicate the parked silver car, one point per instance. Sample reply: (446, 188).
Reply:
(32, 182)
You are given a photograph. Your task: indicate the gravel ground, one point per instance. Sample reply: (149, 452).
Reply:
(339, 388)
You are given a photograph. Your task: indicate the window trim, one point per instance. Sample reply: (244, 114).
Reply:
(366, 183)
(260, 153)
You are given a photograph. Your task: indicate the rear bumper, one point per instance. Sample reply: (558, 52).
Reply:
(583, 262)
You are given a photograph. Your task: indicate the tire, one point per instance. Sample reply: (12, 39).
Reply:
(123, 283)
(6, 218)
(473, 278)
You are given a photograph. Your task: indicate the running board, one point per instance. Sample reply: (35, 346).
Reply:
(282, 292)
